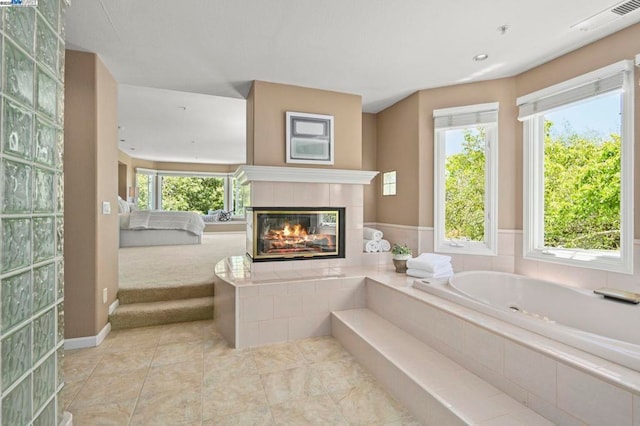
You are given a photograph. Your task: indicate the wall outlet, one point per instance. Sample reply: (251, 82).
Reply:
(104, 295)
(106, 207)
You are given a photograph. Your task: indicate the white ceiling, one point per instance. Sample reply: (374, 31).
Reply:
(382, 50)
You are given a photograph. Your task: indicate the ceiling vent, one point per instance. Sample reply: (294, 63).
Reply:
(608, 15)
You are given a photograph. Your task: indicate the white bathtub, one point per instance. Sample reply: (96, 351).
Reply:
(573, 316)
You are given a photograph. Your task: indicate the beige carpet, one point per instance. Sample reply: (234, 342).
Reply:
(168, 266)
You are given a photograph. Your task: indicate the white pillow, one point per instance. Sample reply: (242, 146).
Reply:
(123, 206)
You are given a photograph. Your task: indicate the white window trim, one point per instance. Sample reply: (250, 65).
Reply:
(533, 195)
(489, 247)
(395, 183)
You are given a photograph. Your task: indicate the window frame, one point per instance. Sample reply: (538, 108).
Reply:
(533, 173)
(391, 185)
(461, 118)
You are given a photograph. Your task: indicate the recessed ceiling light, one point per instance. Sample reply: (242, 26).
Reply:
(480, 57)
(502, 29)
(182, 108)
(132, 149)
(122, 140)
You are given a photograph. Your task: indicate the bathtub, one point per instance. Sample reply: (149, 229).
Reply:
(573, 316)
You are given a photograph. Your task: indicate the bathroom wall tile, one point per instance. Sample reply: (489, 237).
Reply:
(47, 94)
(315, 303)
(44, 238)
(477, 263)
(577, 392)
(287, 306)
(273, 289)
(43, 191)
(274, 331)
(18, 123)
(16, 355)
(44, 382)
(256, 308)
(16, 406)
(16, 244)
(531, 370)
(16, 194)
(309, 325)
(46, 46)
(44, 334)
(503, 264)
(19, 73)
(16, 299)
(45, 143)
(485, 347)
(506, 243)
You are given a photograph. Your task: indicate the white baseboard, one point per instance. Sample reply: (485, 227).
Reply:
(89, 341)
(114, 306)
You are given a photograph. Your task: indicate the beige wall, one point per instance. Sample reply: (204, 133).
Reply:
(267, 104)
(91, 159)
(369, 162)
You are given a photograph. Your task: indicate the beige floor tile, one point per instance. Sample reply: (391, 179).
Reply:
(260, 416)
(135, 339)
(404, 421)
(291, 384)
(219, 346)
(175, 353)
(342, 374)
(168, 408)
(108, 414)
(318, 349)
(69, 391)
(278, 357)
(368, 404)
(232, 395)
(110, 388)
(234, 364)
(183, 332)
(118, 362)
(318, 410)
(175, 377)
(78, 368)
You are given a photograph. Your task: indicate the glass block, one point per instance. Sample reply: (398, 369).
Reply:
(47, 94)
(44, 286)
(16, 244)
(17, 130)
(60, 367)
(45, 143)
(46, 46)
(60, 105)
(16, 300)
(61, 18)
(19, 72)
(20, 26)
(44, 240)
(49, 9)
(44, 334)
(60, 281)
(43, 191)
(61, 62)
(16, 355)
(48, 416)
(60, 336)
(59, 236)
(16, 193)
(44, 382)
(16, 406)
(60, 192)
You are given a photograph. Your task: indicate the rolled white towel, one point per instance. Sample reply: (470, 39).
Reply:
(371, 234)
(370, 246)
(384, 245)
(428, 261)
(419, 273)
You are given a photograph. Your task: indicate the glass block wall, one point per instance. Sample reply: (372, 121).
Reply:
(31, 219)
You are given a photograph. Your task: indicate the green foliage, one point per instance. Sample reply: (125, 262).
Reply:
(464, 189)
(142, 184)
(400, 249)
(200, 194)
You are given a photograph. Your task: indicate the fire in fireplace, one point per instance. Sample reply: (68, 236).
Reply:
(291, 233)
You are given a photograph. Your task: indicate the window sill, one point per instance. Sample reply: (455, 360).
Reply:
(599, 260)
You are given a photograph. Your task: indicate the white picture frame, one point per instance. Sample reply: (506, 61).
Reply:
(309, 138)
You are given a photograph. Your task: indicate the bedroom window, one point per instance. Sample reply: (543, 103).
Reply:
(578, 171)
(465, 177)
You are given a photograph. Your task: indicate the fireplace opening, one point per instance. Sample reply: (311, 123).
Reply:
(292, 233)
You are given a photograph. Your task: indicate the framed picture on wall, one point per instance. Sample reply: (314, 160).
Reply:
(309, 138)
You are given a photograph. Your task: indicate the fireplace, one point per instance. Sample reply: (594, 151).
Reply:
(292, 233)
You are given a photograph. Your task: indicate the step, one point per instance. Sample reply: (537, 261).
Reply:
(164, 312)
(155, 294)
(435, 389)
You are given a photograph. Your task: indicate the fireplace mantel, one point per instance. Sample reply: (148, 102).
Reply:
(245, 174)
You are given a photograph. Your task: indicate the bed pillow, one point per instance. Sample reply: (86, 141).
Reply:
(123, 206)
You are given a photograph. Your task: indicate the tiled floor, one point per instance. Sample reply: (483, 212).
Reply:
(185, 374)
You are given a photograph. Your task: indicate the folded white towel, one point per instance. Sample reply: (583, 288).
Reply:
(371, 234)
(385, 245)
(428, 261)
(370, 246)
(419, 273)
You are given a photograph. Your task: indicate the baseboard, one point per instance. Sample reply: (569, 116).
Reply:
(393, 225)
(114, 306)
(67, 419)
(89, 341)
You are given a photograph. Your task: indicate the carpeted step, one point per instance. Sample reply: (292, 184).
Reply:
(156, 294)
(164, 312)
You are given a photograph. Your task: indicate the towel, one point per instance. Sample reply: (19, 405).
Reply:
(429, 262)
(419, 273)
(385, 245)
(371, 234)
(370, 246)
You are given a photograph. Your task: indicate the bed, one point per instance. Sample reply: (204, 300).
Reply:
(159, 228)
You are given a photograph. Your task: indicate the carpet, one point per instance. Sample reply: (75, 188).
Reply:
(171, 266)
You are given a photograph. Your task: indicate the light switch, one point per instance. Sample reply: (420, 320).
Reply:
(106, 207)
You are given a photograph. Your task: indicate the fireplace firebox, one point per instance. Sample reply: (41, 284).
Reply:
(294, 233)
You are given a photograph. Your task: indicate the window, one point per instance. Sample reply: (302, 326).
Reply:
(389, 183)
(465, 177)
(578, 171)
